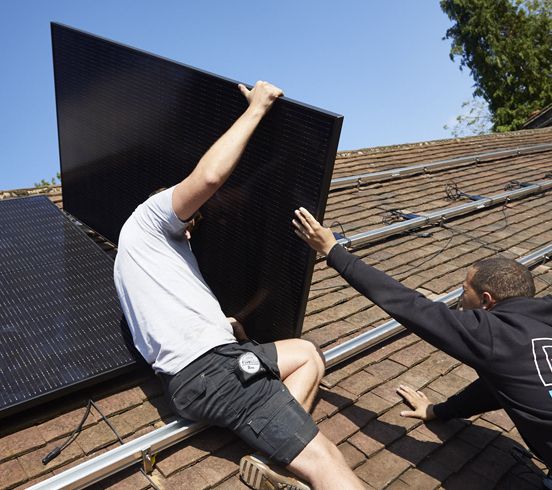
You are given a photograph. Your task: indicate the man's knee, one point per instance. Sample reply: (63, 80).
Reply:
(294, 354)
(321, 358)
(314, 355)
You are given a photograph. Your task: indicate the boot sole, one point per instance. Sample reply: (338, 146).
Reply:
(259, 476)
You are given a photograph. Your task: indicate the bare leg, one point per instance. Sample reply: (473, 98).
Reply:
(323, 465)
(301, 368)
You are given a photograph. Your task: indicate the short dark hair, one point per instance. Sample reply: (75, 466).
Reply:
(503, 278)
(157, 191)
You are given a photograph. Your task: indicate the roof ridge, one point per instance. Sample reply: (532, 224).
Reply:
(474, 138)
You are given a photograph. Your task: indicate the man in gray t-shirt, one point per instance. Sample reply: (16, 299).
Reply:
(210, 370)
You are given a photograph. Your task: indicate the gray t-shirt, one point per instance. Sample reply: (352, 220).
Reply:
(172, 314)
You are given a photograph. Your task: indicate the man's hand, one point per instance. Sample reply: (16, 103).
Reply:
(239, 331)
(219, 162)
(261, 96)
(311, 231)
(423, 408)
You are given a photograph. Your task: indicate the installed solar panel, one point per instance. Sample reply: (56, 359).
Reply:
(130, 122)
(59, 314)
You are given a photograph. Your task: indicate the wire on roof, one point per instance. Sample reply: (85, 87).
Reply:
(454, 193)
(395, 215)
(54, 453)
(516, 184)
(455, 231)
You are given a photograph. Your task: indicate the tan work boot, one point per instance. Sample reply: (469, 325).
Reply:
(258, 473)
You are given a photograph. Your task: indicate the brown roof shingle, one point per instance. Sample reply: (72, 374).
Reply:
(358, 407)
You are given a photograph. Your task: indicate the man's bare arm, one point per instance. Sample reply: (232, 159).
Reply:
(239, 331)
(217, 164)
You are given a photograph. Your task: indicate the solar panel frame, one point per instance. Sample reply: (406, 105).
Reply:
(130, 122)
(60, 321)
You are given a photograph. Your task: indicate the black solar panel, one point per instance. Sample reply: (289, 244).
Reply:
(130, 122)
(59, 314)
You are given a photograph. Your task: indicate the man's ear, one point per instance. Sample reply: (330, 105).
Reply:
(487, 301)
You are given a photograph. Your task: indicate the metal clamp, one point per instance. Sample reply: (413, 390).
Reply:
(148, 460)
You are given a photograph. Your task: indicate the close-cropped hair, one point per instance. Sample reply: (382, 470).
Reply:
(503, 278)
(157, 191)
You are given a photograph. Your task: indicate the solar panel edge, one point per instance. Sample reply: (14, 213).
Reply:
(40, 400)
(59, 25)
(330, 162)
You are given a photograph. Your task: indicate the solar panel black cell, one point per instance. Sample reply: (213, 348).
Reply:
(130, 122)
(59, 315)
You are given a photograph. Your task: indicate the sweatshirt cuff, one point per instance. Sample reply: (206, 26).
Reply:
(444, 411)
(336, 256)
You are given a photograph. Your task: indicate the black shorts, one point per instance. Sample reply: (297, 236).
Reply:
(260, 410)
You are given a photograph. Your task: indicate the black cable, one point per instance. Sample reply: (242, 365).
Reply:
(341, 226)
(452, 191)
(392, 216)
(104, 418)
(456, 231)
(435, 255)
(54, 453)
(152, 483)
(394, 213)
(57, 450)
(462, 231)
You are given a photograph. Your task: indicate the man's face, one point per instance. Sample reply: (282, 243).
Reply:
(470, 298)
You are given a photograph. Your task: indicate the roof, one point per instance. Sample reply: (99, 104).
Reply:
(542, 119)
(358, 407)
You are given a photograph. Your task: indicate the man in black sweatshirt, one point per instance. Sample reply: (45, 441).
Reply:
(503, 332)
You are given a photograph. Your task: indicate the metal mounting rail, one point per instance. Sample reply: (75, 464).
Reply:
(419, 168)
(443, 214)
(389, 329)
(138, 450)
(121, 457)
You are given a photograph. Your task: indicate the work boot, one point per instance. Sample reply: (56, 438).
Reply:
(258, 473)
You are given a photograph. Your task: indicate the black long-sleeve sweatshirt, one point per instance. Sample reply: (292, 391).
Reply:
(510, 346)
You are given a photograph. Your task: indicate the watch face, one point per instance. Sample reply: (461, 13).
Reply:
(249, 363)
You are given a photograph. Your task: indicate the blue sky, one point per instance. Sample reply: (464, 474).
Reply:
(383, 65)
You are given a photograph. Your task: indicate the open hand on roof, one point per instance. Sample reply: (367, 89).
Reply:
(311, 231)
(261, 96)
(423, 408)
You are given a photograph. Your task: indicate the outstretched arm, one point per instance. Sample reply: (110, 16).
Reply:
(217, 164)
(465, 335)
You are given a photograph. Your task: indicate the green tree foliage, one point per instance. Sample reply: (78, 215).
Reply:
(46, 183)
(474, 119)
(507, 46)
